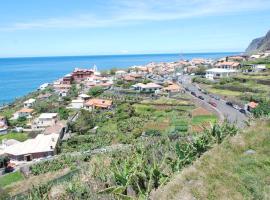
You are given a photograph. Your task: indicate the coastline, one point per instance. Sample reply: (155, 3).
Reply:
(31, 72)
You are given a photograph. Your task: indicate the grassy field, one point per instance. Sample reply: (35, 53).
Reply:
(224, 92)
(206, 118)
(10, 178)
(16, 136)
(227, 171)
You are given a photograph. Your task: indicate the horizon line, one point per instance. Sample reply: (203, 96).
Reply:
(132, 54)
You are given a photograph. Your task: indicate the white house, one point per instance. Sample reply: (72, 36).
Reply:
(29, 103)
(149, 87)
(259, 67)
(76, 104)
(45, 120)
(219, 73)
(3, 125)
(43, 86)
(120, 73)
(24, 112)
(84, 97)
(42, 145)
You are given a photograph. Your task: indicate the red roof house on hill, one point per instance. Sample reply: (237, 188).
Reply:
(79, 75)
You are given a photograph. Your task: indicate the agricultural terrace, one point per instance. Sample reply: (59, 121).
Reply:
(129, 122)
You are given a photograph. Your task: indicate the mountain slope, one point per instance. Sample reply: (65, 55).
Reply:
(228, 171)
(259, 44)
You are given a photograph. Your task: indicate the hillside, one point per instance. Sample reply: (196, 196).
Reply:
(237, 169)
(259, 44)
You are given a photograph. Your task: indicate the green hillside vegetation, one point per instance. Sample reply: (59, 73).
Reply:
(10, 178)
(239, 168)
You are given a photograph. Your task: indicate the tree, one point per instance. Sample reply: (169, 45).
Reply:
(84, 122)
(263, 109)
(74, 91)
(125, 111)
(63, 113)
(95, 91)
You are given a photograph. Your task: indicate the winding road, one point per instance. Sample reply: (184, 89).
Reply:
(224, 111)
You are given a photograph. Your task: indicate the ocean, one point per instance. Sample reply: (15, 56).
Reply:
(19, 76)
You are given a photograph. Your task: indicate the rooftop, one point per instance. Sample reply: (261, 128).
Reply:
(47, 115)
(30, 101)
(102, 103)
(220, 70)
(41, 143)
(26, 110)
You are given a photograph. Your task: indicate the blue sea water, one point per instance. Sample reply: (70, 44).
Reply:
(19, 76)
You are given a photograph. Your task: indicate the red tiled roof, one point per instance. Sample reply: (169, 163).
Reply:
(26, 110)
(253, 104)
(101, 103)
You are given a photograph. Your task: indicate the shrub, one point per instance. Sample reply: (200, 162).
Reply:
(95, 91)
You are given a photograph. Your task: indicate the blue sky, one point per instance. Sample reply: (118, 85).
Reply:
(92, 27)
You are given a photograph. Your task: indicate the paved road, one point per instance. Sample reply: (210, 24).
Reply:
(228, 112)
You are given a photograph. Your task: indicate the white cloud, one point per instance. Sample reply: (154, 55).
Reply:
(121, 12)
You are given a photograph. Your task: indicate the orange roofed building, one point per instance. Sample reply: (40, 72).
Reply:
(79, 75)
(98, 103)
(24, 112)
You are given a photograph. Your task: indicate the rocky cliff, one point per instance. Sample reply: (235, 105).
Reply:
(259, 44)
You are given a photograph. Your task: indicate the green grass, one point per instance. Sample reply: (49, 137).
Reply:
(224, 92)
(10, 178)
(16, 136)
(205, 118)
(226, 171)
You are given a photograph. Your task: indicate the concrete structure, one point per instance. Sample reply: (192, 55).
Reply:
(3, 125)
(45, 120)
(43, 86)
(76, 104)
(41, 146)
(149, 87)
(67, 79)
(173, 88)
(219, 73)
(24, 112)
(79, 75)
(98, 103)
(228, 65)
(29, 103)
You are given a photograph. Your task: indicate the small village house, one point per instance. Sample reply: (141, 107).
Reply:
(79, 75)
(98, 103)
(228, 65)
(43, 145)
(44, 96)
(149, 87)
(24, 112)
(29, 103)
(217, 73)
(76, 104)
(43, 86)
(173, 88)
(45, 120)
(84, 97)
(67, 79)
(120, 73)
(3, 125)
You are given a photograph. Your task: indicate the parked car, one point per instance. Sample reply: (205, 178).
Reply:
(204, 92)
(212, 103)
(201, 97)
(242, 110)
(229, 103)
(236, 107)
(194, 94)
(217, 98)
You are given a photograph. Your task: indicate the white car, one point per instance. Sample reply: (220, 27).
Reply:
(236, 107)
